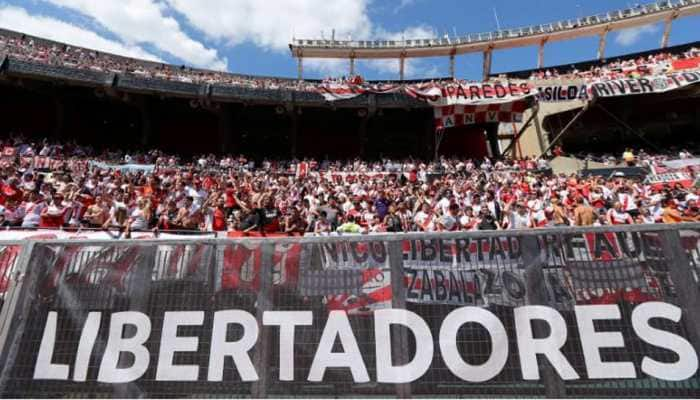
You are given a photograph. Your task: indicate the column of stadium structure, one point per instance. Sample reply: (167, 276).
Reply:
(400, 345)
(402, 65)
(682, 273)
(515, 141)
(452, 63)
(300, 64)
(352, 65)
(540, 54)
(488, 53)
(263, 349)
(492, 140)
(571, 123)
(602, 42)
(667, 28)
(537, 295)
(534, 139)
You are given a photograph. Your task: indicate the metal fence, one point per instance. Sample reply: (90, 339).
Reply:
(599, 312)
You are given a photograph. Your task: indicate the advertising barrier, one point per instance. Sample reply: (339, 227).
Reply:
(566, 312)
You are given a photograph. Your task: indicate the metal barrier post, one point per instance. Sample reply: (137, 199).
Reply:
(399, 346)
(684, 282)
(141, 287)
(14, 287)
(261, 357)
(537, 295)
(28, 278)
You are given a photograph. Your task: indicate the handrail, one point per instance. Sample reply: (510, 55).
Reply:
(538, 232)
(520, 32)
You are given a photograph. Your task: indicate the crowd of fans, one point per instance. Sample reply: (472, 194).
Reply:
(26, 48)
(653, 64)
(122, 192)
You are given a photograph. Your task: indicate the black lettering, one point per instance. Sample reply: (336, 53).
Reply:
(513, 89)
(496, 249)
(455, 294)
(600, 89)
(474, 92)
(561, 295)
(460, 92)
(513, 247)
(691, 77)
(445, 254)
(625, 238)
(582, 92)
(601, 243)
(479, 249)
(500, 90)
(571, 92)
(620, 85)
(513, 285)
(462, 250)
(440, 289)
(547, 93)
(412, 276)
(487, 91)
(487, 284)
(645, 85)
(469, 298)
(634, 86)
(427, 250)
(525, 88)
(426, 287)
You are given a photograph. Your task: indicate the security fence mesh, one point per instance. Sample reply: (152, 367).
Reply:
(302, 317)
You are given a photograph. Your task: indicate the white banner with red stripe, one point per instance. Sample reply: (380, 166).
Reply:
(458, 115)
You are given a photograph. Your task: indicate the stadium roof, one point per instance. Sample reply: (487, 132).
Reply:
(533, 35)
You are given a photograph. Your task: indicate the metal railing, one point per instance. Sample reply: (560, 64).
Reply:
(511, 33)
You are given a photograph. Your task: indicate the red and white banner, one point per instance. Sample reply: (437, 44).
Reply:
(458, 115)
(344, 91)
(470, 94)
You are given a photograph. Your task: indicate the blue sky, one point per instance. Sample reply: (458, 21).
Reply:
(251, 36)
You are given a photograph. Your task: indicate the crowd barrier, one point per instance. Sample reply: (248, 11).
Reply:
(567, 312)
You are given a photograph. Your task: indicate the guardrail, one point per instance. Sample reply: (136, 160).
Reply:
(512, 33)
(569, 312)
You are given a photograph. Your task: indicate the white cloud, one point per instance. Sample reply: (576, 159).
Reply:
(144, 21)
(17, 19)
(630, 36)
(269, 25)
(272, 24)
